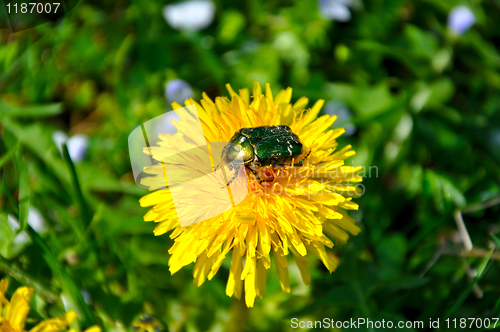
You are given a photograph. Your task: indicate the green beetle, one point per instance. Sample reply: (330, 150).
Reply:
(263, 146)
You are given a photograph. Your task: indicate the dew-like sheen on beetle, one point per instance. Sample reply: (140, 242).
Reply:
(263, 146)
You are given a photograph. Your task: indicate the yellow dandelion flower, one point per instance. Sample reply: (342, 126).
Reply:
(297, 210)
(146, 324)
(13, 313)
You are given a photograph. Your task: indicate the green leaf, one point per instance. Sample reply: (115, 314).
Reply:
(212, 62)
(367, 101)
(432, 95)
(67, 283)
(391, 254)
(38, 139)
(232, 23)
(91, 176)
(411, 58)
(29, 111)
(344, 296)
(451, 192)
(121, 55)
(393, 249)
(7, 235)
(5, 158)
(442, 189)
(403, 283)
(24, 189)
(7, 193)
(496, 239)
(423, 42)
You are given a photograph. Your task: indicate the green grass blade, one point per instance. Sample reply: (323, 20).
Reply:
(496, 239)
(30, 111)
(467, 291)
(67, 284)
(24, 195)
(84, 209)
(7, 193)
(5, 158)
(7, 235)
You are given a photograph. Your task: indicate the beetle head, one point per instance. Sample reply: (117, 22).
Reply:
(243, 149)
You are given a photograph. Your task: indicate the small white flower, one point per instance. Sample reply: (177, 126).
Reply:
(178, 90)
(86, 296)
(59, 139)
(77, 147)
(190, 15)
(461, 19)
(21, 238)
(77, 144)
(337, 10)
(36, 221)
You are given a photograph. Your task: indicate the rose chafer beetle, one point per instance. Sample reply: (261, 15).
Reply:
(263, 146)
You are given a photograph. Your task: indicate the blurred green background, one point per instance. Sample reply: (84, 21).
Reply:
(419, 92)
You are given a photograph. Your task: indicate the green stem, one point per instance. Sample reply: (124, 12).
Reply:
(67, 283)
(7, 156)
(84, 210)
(9, 196)
(238, 320)
(23, 277)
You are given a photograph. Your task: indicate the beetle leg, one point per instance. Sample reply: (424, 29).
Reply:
(257, 175)
(234, 176)
(254, 173)
(299, 163)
